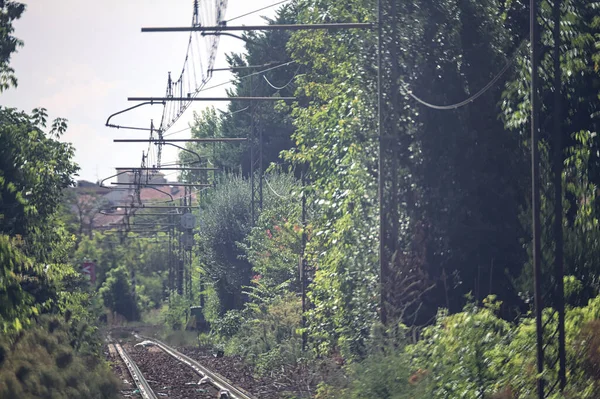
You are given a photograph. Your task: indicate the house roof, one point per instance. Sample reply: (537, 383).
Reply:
(149, 196)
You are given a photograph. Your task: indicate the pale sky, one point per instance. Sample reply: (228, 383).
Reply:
(83, 58)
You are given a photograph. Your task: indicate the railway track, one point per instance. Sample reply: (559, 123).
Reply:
(143, 386)
(221, 387)
(225, 387)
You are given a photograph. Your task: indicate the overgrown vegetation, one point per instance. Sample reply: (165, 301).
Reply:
(459, 312)
(55, 359)
(49, 346)
(461, 278)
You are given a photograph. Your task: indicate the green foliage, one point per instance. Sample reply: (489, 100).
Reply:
(144, 258)
(579, 147)
(473, 354)
(34, 170)
(460, 350)
(227, 325)
(17, 304)
(117, 294)
(228, 244)
(385, 375)
(49, 361)
(49, 344)
(225, 221)
(177, 312)
(9, 12)
(334, 138)
(582, 230)
(273, 247)
(265, 334)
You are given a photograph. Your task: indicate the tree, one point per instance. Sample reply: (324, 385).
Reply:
(335, 141)
(117, 293)
(458, 201)
(579, 62)
(229, 249)
(35, 168)
(40, 354)
(225, 221)
(9, 12)
(274, 245)
(87, 206)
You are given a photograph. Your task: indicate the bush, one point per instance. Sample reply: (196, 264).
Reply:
(228, 325)
(177, 312)
(473, 354)
(265, 334)
(116, 291)
(45, 361)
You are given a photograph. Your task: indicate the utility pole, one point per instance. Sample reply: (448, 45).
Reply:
(386, 236)
(550, 351)
(170, 257)
(302, 263)
(558, 206)
(256, 161)
(180, 262)
(535, 193)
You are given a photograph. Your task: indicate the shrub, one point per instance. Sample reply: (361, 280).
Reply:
(42, 362)
(265, 334)
(177, 312)
(116, 291)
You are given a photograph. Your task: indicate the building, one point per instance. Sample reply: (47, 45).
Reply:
(98, 207)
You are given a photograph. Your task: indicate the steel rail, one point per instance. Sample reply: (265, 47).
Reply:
(218, 380)
(136, 374)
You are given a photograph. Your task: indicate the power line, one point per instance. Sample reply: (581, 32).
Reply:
(234, 112)
(212, 12)
(179, 131)
(476, 95)
(247, 76)
(271, 188)
(255, 11)
(233, 81)
(191, 127)
(285, 85)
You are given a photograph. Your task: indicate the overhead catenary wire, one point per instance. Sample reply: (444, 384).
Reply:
(258, 10)
(234, 112)
(285, 85)
(233, 81)
(211, 13)
(178, 131)
(247, 76)
(273, 190)
(475, 96)
(191, 127)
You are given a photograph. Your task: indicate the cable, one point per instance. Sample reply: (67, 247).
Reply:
(233, 81)
(179, 131)
(476, 95)
(191, 127)
(285, 85)
(212, 12)
(271, 188)
(255, 11)
(247, 76)
(233, 112)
